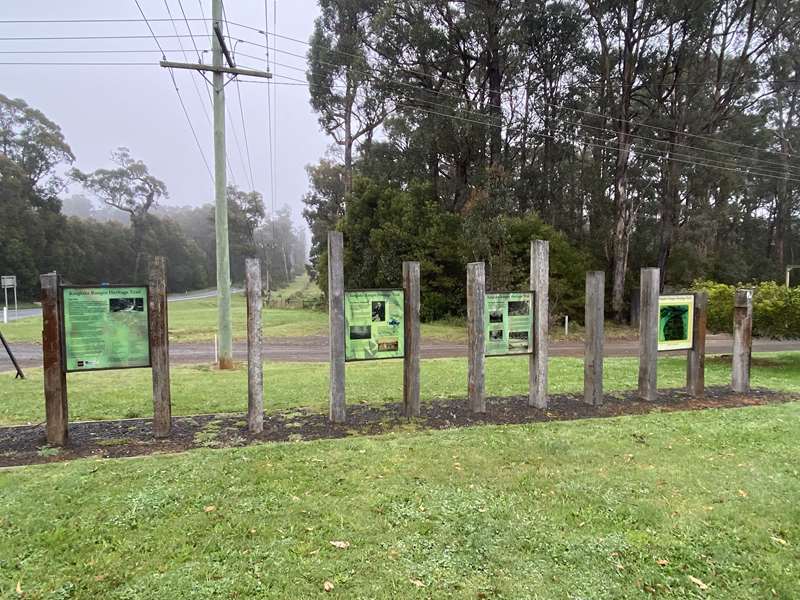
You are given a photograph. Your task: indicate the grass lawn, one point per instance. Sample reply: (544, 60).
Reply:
(196, 320)
(680, 505)
(200, 389)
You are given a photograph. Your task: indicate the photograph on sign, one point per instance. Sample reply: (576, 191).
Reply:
(675, 322)
(105, 328)
(373, 324)
(509, 323)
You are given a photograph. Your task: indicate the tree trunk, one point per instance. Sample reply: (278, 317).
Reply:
(670, 202)
(622, 226)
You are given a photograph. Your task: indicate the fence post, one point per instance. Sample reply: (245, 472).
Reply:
(537, 361)
(696, 357)
(159, 347)
(742, 340)
(411, 342)
(55, 378)
(255, 365)
(593, 355)
(476, 303)
(648, 334)
(338, 412)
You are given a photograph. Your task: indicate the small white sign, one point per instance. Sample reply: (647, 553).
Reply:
(8, 281)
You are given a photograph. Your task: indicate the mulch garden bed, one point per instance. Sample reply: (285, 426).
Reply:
(132, 437)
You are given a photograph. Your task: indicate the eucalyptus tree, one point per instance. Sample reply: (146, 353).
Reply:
(128, 187)
(343, 88)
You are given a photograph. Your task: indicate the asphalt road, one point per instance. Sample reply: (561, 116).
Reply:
(198, 295)
(315, 349)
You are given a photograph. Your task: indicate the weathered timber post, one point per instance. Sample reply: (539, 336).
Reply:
(412, 340)
(648, 334)
(476, 303)
(537, 362)
(338, 412)
(742, 340)
(255, 364)
(593, 354)
(159, 347)
(55, 377)
(696, 357)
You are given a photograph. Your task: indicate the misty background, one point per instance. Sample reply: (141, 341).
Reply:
(101, 107)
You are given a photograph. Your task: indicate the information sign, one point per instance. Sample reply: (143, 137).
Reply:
(373, 322)
(509, 323)
(105, 328)
(675, 322)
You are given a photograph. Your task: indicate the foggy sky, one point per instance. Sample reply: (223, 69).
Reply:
(102, 107)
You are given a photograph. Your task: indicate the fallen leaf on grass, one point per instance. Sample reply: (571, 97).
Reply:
(781, 541)
(698, 582)
(743, 494)
(340, 545)
(19, 588)
(662, 562)
(210, 509)
(327, 586)
(417, 582)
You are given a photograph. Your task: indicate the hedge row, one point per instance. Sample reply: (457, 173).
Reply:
(776, 308)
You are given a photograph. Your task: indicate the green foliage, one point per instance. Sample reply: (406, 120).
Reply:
(386, 225)
(776, 308)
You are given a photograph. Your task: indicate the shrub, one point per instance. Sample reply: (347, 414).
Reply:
(776, 308)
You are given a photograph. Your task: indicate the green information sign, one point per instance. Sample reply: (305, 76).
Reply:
(105, 328)
(373, 322)
(675, 322)
(509, 323)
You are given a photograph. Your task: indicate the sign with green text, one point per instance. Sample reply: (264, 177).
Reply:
(373, 322)
(105, 328)
(675, 322)
(509, 323)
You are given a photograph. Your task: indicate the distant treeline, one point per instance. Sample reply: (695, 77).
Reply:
(110, 239)
(645, 133)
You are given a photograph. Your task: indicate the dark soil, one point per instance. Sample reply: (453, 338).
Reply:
(131, 437)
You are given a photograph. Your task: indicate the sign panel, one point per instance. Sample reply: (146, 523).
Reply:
(105, 328)
(509, 323)
(675, 322)
(8, 281)
(373, 321)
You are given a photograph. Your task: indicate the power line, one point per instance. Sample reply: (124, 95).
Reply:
(764, 163)
(563, 107)
(180, 98)
(423, 74)
(647, 152)
(244, 131)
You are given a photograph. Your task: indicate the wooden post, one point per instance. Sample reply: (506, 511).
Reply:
(593, 355)
(537, 362)
(411, 342)
(648, 334)
(159, 348)
(742, 340)
(55, 378)
(476, 303)
(255, 365)
(338, 412)
(696, 357)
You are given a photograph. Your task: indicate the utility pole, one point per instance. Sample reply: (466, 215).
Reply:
(219, 51)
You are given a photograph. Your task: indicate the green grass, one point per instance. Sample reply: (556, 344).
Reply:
(681, 505)
(301, 287)
(200, 389)
(196, 320)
